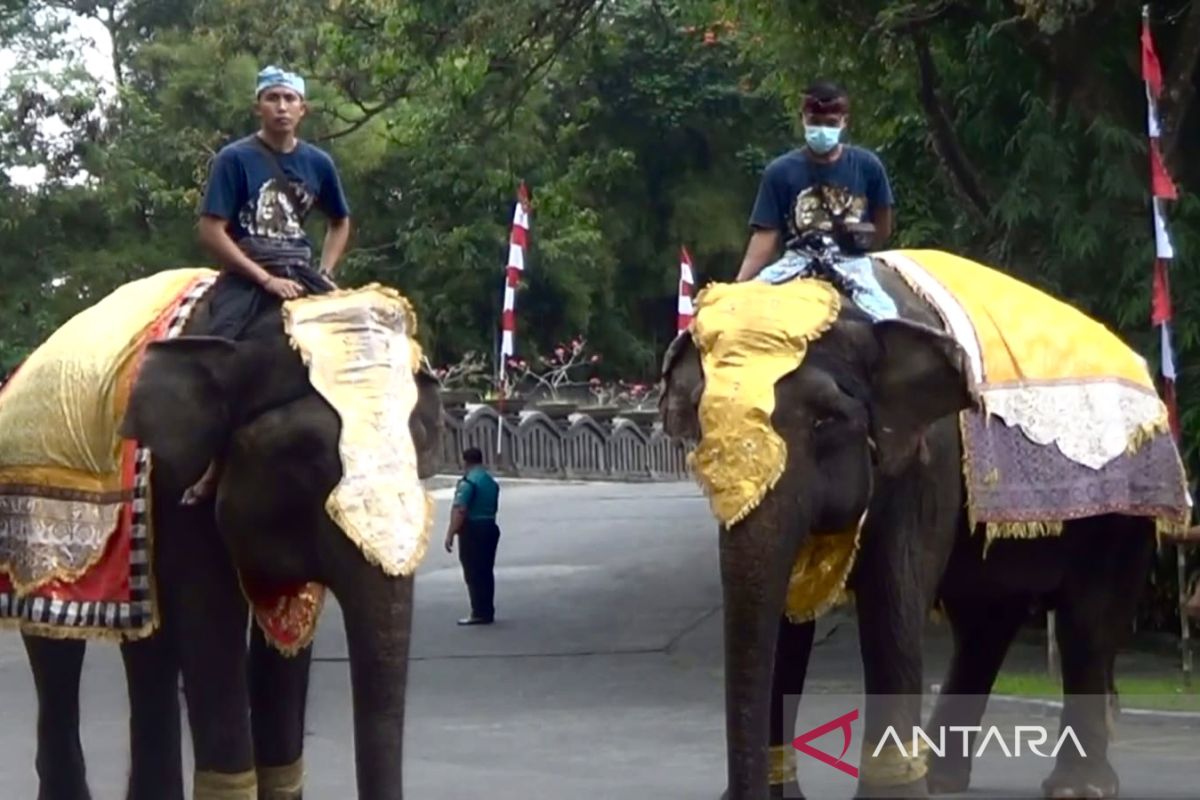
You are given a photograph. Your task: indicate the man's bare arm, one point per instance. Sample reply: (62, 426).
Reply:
(216, 240)
(337, 235)
(883, 220)
(761, 250)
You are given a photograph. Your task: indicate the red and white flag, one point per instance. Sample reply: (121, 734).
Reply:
(687, 286)
(1162, 189)
(517, 240)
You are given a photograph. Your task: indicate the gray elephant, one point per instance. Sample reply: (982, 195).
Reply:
(252, 404)
(870, 419)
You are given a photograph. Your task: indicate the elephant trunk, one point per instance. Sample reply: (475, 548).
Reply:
(377, 610)
(756, 560)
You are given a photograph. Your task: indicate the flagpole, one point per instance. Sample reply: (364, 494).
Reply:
(1162, 188)
(684, 310)
(517, 240)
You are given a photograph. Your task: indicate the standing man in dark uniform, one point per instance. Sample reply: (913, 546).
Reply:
(473, 520)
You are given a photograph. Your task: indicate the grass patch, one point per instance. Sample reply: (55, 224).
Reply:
(1160, 694)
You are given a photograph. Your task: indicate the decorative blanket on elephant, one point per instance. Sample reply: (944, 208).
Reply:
(74, 519)
(362, 354)
(1084, 430)
(749, 335)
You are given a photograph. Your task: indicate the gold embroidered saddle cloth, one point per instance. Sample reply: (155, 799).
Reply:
(1071, 424)
(74, 520)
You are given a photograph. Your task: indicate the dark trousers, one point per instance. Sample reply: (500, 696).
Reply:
(237, 300)
(477, 554)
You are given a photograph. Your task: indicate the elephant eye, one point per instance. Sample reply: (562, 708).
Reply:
(823, 422)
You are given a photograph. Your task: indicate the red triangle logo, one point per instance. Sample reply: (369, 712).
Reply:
(842, 723)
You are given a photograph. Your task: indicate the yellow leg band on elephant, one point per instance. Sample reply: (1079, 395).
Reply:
(893, 765)
(782, 760)
(226, 786)
(281, 783)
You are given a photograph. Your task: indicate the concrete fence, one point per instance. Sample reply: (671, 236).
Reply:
(608, 445)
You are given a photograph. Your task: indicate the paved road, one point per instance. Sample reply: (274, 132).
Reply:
(601, 678)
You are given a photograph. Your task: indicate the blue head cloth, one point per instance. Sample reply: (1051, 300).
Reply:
(274, 76)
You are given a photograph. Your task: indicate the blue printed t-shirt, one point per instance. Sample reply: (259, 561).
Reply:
(479, 494)
(788, 198)
(243, 189)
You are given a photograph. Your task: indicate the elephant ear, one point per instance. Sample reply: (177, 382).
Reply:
(922, 375)
(180, 406)
(425, 423)
(682, 387)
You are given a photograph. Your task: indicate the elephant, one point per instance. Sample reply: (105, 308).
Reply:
(870, 419)
(249, 402)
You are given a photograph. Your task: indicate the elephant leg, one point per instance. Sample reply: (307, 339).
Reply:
(1109, 564)
(155, 737)
(891, 610)
(210, 614)
(57, 665)
(278, 699)
(792, 651)
(983, 631)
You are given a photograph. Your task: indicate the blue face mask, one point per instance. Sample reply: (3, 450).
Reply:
(821, 139)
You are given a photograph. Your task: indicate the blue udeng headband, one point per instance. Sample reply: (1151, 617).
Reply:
(274, 76)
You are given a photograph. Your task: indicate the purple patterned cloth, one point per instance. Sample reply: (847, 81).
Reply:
(1011, 479)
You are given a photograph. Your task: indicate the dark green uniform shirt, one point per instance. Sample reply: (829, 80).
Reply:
(479, 494)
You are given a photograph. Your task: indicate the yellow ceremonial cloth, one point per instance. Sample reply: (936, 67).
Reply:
(60, 413)
(819, 573)
(749, 335)
(1027, 335)
(362, 354)
(1040, 363)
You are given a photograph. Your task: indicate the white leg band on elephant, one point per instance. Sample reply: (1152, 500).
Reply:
(895, 765)
(281, 783)
(226, 786)
(782, 759)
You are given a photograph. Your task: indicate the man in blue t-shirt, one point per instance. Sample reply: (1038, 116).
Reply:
(808, 188)
(260, 191)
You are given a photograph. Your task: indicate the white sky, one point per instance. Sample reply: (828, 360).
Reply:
(97, 59)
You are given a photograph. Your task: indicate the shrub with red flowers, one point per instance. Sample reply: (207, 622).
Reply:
(470, 373)
(636, 396)
(565, 362)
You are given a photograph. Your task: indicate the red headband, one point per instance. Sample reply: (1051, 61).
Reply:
(832, 105)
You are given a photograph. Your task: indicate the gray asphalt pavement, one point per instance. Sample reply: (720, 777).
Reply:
(601, 678)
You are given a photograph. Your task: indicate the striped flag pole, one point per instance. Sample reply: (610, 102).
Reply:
(687, 285)
(517, 241)
(1163, 189)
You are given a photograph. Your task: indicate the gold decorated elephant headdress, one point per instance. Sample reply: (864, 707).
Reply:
(749, 335)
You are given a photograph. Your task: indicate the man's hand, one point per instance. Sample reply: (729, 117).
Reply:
(449, 542)
(282, 287)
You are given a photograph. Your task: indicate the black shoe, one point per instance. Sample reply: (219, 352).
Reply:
(473, 620)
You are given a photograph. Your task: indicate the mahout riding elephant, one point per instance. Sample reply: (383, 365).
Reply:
(870, 421)
(252, 404)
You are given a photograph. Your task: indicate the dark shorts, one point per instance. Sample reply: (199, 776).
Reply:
(236, 300)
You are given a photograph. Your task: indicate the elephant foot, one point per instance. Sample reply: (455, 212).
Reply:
(1082, 780)
(778, 791)
(917, 789)
(948, 777)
